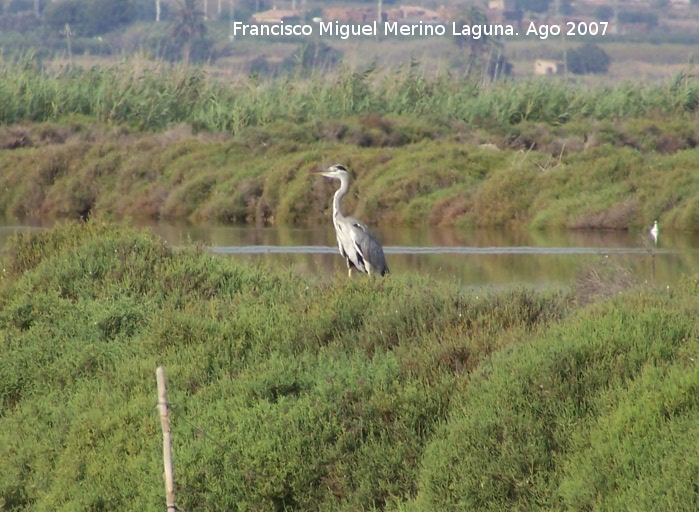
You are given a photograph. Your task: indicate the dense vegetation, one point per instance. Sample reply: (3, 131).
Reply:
(541, 154)
(154, 98)
(294, 394)
(298, 393)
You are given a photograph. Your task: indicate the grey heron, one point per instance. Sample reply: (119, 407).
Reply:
(357, 244)
(654, 232)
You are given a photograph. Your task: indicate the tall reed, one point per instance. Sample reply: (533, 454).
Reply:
(151, 98)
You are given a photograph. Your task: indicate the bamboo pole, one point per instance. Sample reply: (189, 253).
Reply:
(168, 475)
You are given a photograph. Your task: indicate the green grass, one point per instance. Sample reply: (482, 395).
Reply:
(291, 393)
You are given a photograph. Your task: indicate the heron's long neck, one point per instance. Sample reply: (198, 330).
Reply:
(337, 200)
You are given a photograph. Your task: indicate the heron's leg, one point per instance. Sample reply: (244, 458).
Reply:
(350, 265)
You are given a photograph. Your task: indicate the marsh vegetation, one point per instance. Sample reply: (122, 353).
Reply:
(165, 143)
(291, 393)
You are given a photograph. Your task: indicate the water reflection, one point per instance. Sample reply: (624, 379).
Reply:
(471, 257)
(492, 258)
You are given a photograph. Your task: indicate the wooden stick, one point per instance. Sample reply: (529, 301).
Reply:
(163, 409)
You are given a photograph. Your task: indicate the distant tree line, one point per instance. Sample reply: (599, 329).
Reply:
(77, 26)
(90, 17)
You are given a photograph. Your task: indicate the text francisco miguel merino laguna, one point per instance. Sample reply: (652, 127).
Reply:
(390, 28)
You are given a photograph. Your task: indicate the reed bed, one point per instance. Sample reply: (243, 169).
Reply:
(154, 97)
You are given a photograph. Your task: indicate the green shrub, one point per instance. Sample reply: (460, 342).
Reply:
(585, 416)
(310, 397)
(340, 394)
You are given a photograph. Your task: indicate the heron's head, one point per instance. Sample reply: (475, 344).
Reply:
(337, 172)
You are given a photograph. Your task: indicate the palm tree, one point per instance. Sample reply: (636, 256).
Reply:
(485, 53)
(476, 47)
(188, 25)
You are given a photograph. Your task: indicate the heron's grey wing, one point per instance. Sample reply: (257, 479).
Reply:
(346, 244)
(368, 248)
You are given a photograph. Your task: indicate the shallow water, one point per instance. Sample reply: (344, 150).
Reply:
(471, 258)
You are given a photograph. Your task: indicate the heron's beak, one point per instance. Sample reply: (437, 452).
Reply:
(322, 172)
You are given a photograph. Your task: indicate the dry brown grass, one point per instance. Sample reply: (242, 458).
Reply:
(446, 211)
(14, 137)
(618, 216)
(601, 281)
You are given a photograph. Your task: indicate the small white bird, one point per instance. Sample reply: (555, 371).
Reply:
(654, 232)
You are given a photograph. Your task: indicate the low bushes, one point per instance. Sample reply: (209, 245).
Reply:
(296, 394)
